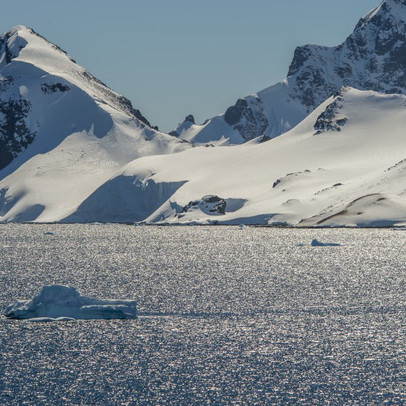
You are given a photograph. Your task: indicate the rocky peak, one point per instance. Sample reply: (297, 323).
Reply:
(247, 117)
(31, 65)
(190, 119)
(373, 57)
(331, 119)
(43, 54)
(188, 122)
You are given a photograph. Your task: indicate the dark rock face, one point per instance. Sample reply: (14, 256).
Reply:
(247, 117)
(135, 112)
(276, 183)
(373, 57)
(15, 136)
(235, 113)
(190, 119)
(57, 87)
(301, 55)
(210, 204)
(330, 120)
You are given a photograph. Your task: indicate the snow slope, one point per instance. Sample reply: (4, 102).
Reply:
(63, 133)
(343, 165)
(371, 58)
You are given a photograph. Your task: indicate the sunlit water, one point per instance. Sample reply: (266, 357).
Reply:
(227, 316)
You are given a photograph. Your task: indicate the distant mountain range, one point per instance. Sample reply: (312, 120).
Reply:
(73, 150)
(373, 57)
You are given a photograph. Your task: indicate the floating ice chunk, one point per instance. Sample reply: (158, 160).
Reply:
(316, 243)
(57, 301)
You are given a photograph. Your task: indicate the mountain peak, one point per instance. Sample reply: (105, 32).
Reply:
(372, 57)
(17, 29)
(393, 9)
(31, 47)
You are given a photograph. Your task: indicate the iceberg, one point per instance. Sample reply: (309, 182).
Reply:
(58, 302)
(316, 243)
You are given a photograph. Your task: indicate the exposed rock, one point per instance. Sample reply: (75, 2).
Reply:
(190, 118)
(56, 87)
(331, 119)
(377, 48)
(276, 183)
(210, 204)
(184, 125)
(247, 117)
(15, 135)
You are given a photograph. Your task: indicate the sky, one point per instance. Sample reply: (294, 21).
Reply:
(172, 58)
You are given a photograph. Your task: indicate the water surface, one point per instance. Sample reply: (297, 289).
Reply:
(227, 316)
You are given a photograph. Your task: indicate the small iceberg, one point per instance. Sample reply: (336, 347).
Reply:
(58, 302)
(316, 243)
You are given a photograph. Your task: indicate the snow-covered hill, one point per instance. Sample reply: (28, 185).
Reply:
(371, 58)
(63, 133)
(343, 165)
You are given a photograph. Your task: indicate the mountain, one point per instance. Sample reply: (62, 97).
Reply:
(373, 57)
(73, 150)
(63, 133)
(343, 165)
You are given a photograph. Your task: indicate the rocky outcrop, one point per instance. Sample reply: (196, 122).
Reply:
(15, 135)
(184, 125)
(331, 119)
(210, 204)
(247, 117)
(55, 87)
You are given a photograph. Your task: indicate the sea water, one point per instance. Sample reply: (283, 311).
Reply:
(227, 315)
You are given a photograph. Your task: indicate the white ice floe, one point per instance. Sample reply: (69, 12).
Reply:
(317, 243)
(57, 302)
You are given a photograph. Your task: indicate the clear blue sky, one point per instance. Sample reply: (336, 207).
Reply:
(175, 57)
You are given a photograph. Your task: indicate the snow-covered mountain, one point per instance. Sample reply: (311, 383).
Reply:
(63, 133)
(343, 165)
(371, 58)
(72, 150)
